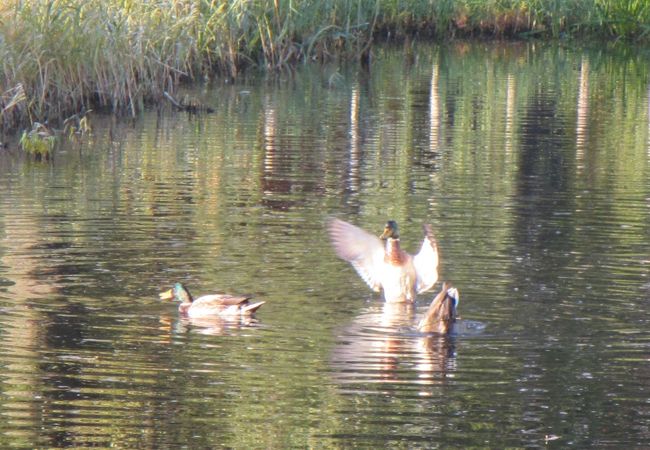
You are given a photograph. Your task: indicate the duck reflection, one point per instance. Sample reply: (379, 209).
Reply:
(437, 358)
(214, 326)
(382, 346)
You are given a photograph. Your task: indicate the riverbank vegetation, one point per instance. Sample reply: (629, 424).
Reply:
(60, 58)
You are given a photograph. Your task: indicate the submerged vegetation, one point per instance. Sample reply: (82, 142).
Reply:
(60, 57)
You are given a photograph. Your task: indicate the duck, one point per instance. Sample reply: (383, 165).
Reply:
(211, 305)
(442, 312)
(381, 262)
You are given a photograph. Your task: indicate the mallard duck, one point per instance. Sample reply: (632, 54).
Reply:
(384, 265)
(222, 305)
(441, 314)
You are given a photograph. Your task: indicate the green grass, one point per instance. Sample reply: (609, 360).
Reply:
(60, 57)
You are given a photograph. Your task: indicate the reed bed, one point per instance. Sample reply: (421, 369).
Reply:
(63, 57)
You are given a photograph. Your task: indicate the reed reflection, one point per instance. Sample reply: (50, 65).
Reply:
(648, 138)
(354, 177)
(269, 145)
(43, 350)
(583, 113)
(511, 91)
(23, 338)
(273, 182)
(434, 109)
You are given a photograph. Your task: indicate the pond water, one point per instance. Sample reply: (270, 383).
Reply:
(532, 164)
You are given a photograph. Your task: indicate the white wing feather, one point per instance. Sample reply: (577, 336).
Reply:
(426, 262)
(361, 249)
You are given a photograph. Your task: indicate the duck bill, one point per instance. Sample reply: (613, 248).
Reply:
(167, 295)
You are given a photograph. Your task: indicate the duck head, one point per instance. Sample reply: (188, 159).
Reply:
(179, 292)
(390, 231)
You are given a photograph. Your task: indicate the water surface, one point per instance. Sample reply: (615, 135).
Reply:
(532, 163)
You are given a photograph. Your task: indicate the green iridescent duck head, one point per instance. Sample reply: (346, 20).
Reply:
(179, 292)
(390, 231)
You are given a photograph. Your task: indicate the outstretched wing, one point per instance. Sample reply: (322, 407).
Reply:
(361, 249)
(426, 262)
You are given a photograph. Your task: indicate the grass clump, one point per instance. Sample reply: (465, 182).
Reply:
(39, 142)
(59, 57)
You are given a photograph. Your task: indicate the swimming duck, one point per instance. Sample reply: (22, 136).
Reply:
(222, 305)
(382, 264)
(441, 314)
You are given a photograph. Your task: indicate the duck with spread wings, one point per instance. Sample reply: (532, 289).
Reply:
(381, 262)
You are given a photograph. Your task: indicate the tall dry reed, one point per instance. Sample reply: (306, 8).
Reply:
(59, 57)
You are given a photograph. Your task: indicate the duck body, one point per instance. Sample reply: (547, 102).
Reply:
(398, 273)
(442, 312)
(381, 262)
(212, 305)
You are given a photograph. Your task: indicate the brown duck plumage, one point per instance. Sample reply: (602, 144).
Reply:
(441, 314)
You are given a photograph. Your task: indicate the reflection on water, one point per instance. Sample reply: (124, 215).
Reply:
(531, 162)
(214, 325)
(381, 346)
